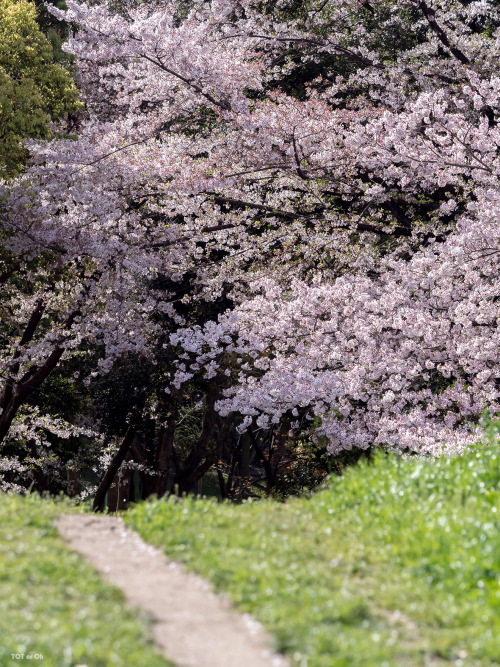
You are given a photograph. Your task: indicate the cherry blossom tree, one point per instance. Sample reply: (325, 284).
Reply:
(401, 350)
(349, 222)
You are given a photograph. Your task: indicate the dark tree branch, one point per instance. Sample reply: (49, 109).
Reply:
(430, 15)
(222, 105)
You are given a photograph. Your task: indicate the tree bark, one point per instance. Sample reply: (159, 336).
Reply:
(20, 393)
(27, 336)
(266, 462)
(246, 444)
(16, 393)
(163, 455)
(199, 459)
(73, 481)
(114, 466)
(430, 15)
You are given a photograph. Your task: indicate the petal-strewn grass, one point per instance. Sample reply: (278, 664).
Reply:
(395, 565)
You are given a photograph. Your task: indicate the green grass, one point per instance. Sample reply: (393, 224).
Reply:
(395, 565)
(53, 604)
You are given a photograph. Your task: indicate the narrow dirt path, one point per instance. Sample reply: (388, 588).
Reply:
(193, 626)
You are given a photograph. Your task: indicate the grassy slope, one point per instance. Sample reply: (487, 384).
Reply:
(53, 604)
(397, 564)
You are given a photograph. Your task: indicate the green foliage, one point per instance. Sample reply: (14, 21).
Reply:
(34, 90)
(53, 604)
(308, 468)
(395, 565)
(189, 426)
(57, 31)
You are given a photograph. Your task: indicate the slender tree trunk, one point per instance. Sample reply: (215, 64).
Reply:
(114, 466)
(13, 367)
(266, 462)
(163, 456)
(119, 491)
(246, 444)
(39, 477)
(222, 483)
(31, 381)
(200, 458)
(17, 392)
(8, 414)
(73, 481)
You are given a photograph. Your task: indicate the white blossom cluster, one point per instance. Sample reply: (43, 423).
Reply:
(354, 227)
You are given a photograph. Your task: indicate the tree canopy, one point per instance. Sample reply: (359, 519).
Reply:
(289, 211)
(34, 90)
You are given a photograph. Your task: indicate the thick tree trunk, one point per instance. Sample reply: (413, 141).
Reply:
(210, 459)
(206, 451)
